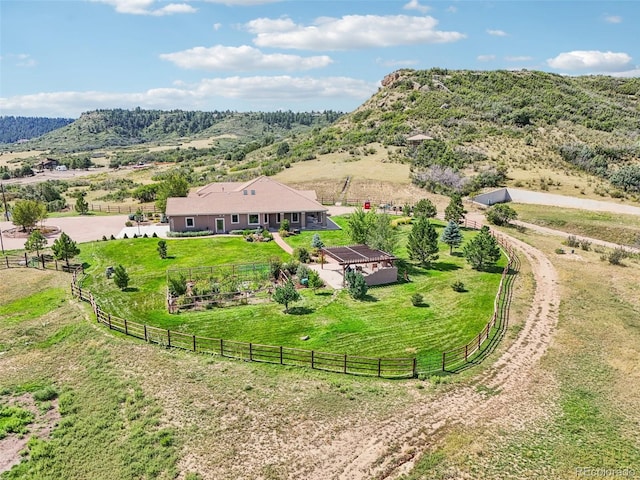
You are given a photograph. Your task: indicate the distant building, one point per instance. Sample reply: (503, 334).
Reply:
(47, 164)
(418, 139)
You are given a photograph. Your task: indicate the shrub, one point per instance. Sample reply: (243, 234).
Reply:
(302, 254)
(585, 244)
(560, 251)
(125, 236)
(236, 232)
(284, 226)
(128, 223)
(112, 237)
(458, 286)
(200, 233)
(416, 299)
(615, 256)
(104, 238)
(178, 285)
(501, 214)
(44, 395)
(572, 241)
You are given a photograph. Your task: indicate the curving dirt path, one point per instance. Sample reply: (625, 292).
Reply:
(388, 449)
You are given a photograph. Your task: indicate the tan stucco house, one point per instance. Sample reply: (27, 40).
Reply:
(262, 202)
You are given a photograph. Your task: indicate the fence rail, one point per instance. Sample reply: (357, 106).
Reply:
(451, 360)
(100, 207)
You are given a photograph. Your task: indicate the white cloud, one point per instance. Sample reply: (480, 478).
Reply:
(217, 26)
(497, 33)
(486, 58)
(23, 60)
(520, 58)
(390, 63)
(145, 7)
(452, 9)
(243, 3)
(592, 60)
(236, 93)
(613, 19)
(243, 58)
(349, 32)
(415, 5)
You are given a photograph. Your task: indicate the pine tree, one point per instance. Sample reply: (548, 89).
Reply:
(64, 248)
(422, 242)
(36, 242)
(121, 277)
(452, 236)
(316, 242)
(425, 208)
(455, 210)
(483, 250)
(82, 207)
(162, 249)
(357, 285)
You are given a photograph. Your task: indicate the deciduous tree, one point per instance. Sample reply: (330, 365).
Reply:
(27, 213)
(285, 294)
(36, 242)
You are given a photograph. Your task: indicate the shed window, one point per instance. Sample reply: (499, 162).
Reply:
(189, 222)
(254, 219)
(295, 217)
(235, 218)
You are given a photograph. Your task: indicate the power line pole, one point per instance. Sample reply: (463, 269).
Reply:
(4, 200)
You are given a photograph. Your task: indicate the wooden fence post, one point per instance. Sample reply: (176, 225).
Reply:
(379, 366)
(345, 363)
(109, 321)
(194, 343)
(250, 352)
(281, 362)
(168, 338)
(466, 352)
(26, 263)
(146, 339)
(126, 329)
(415, 368)
(443, 361)
(312, 362)
(221, 348)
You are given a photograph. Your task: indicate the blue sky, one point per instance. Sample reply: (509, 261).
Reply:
(61, 58)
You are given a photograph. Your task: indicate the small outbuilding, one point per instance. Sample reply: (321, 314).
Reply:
(418, 139)
(377, 267)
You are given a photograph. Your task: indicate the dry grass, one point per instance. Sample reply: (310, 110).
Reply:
(12, 159)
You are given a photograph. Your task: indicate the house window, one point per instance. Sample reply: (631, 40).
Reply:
(266, 218)
(235, 218)
(278, 217)
(294, 218)
(254, 219)
(189, 222)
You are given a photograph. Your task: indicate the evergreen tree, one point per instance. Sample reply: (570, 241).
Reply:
(452, 236)
(425, 208)
(314, 280)
(482, 251)
(316, 242)
(357, 285)
(422, 243)
(455, 210)
(64, 248)
(82, 207)
(36, 242)
(162, 249)
(285, 294)
(121, 277)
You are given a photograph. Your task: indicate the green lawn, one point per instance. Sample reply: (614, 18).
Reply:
(384, 324)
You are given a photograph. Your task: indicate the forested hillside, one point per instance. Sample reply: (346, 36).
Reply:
(13, 129)
(119, 127)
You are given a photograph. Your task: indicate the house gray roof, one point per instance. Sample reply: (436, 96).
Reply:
(260, 195)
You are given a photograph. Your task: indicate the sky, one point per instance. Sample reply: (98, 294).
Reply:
(60, 58)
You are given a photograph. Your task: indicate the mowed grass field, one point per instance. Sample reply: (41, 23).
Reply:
(385, 324)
